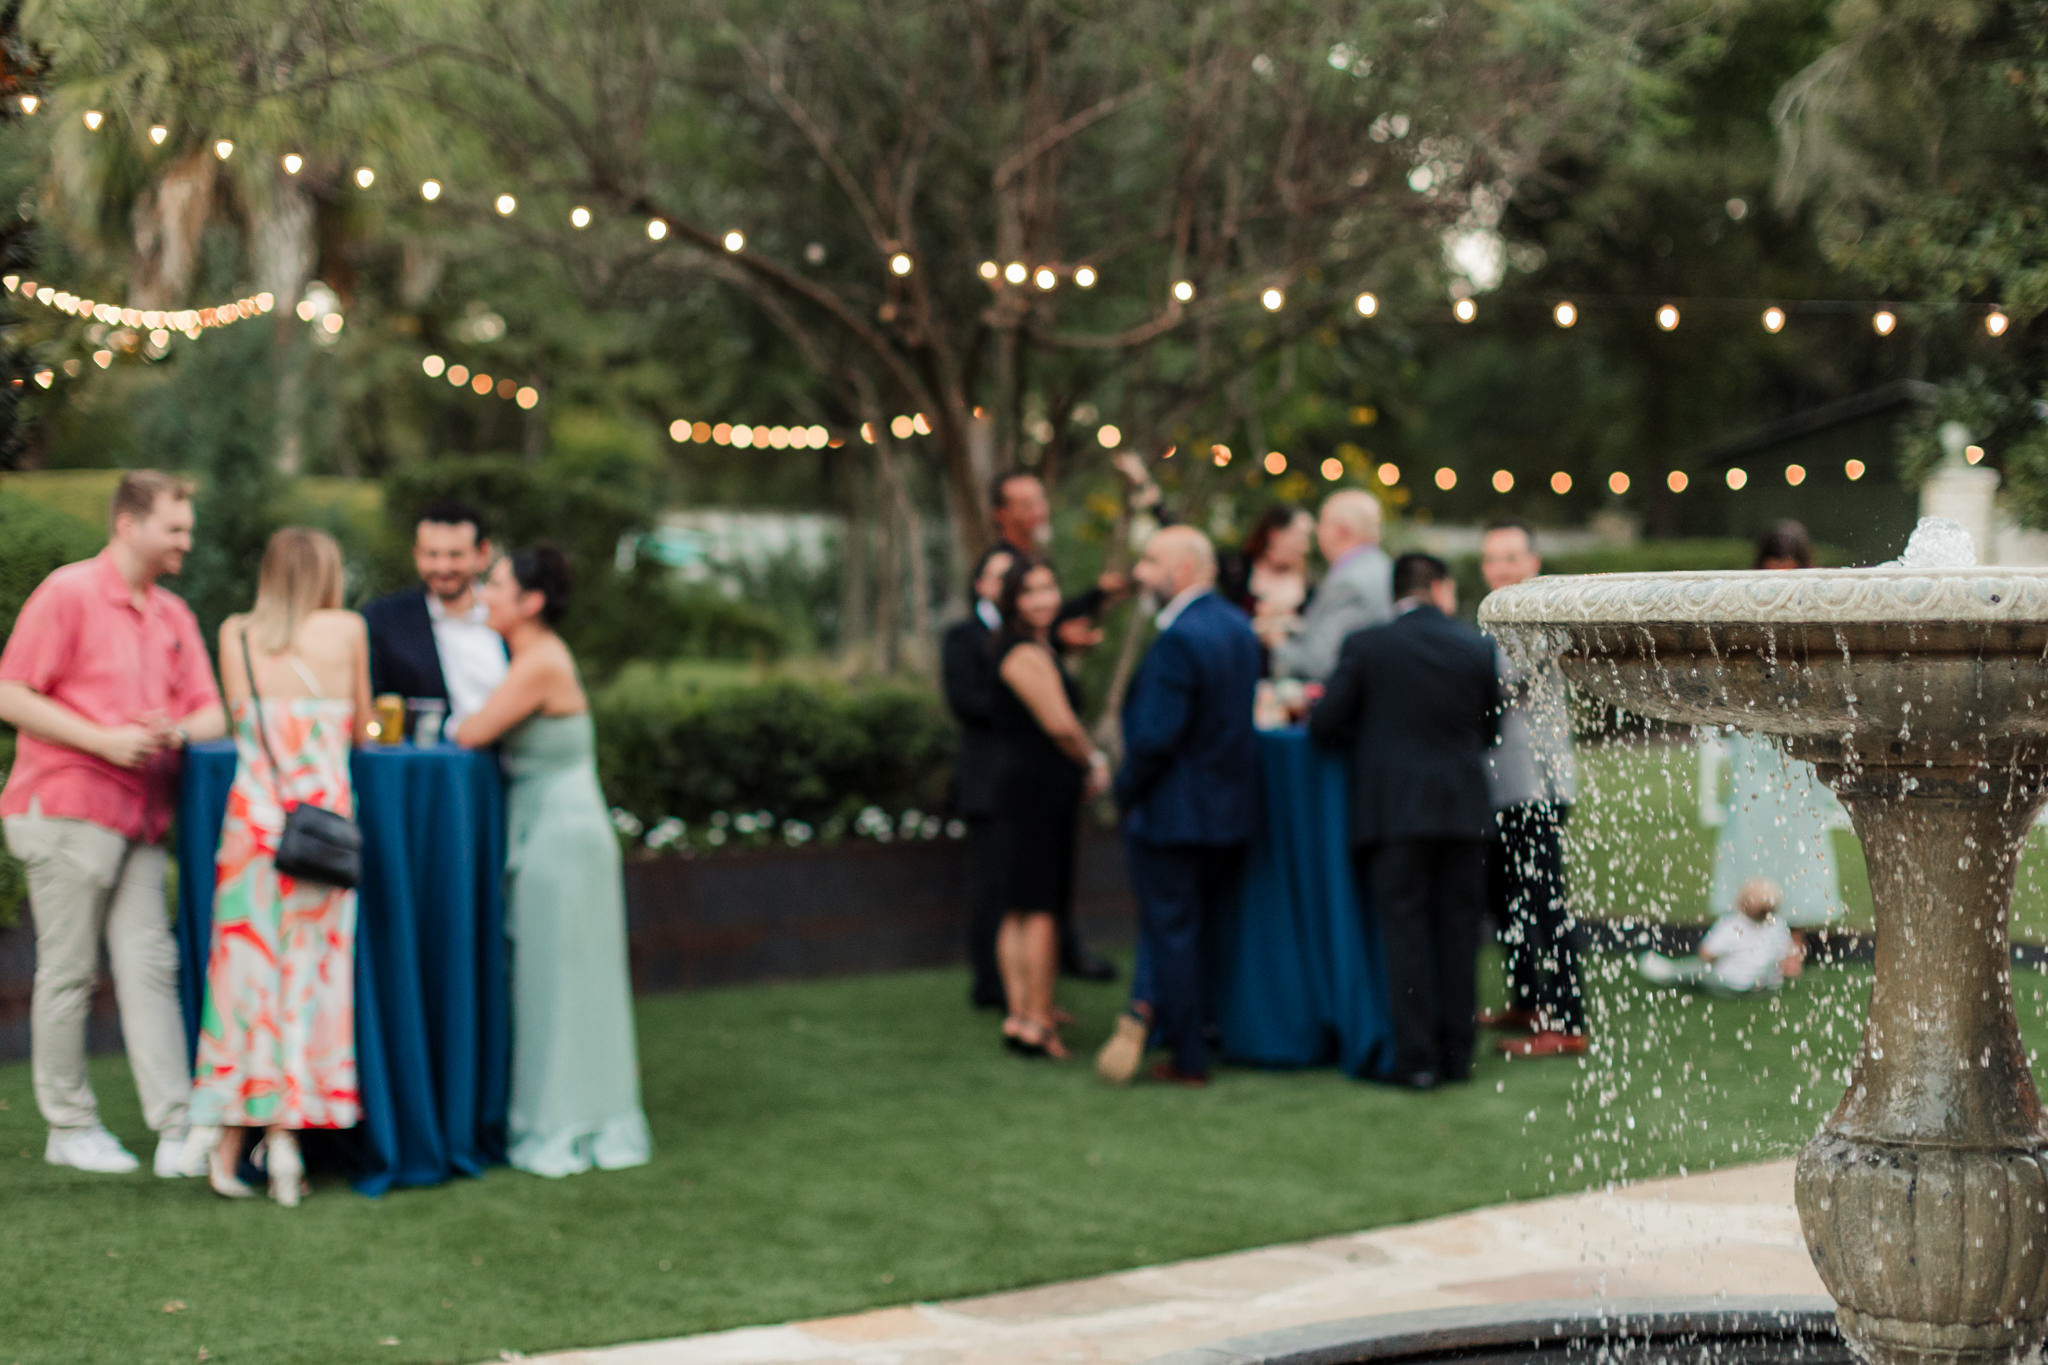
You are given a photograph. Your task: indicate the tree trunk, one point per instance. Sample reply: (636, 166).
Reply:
(282, 239)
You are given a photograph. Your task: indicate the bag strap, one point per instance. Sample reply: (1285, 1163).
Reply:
(262, 734)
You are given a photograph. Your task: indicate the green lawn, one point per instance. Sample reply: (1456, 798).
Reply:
(1638, 848)
(830, 1147)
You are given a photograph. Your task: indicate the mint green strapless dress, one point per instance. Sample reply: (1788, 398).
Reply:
(575, 1067)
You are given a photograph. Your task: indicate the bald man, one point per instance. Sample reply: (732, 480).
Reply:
(1356, 593)
(1189, 796)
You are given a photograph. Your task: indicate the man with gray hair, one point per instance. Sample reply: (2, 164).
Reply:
(1357, 592)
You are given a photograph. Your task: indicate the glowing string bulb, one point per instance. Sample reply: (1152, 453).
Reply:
(1045, 278)
(93, 118)
(1464, 310)
(458, 375)
(1220, 454)
(1774, 319)
(365, 177)
(157, 133)
(1617, 483)
(1854, 469)
(430, 190)
(1737, 477)
(1276, 463)
(1676, 481)
(1447, 478)
(1109, 435)
(901, 427)
(224, 148)
(1503, 481)
(1795, 474)
(900, 264)
(293, 163)
(1996, 322)
(527, 397)
(331, 323)
(735, 240)
(989, 270)
(29, 104)
(657, 228)
(1560, 483)
(1883, 321)
(1184, 290)
(1333, 469)
(433, 365)
(1273, 300)
(1388, 474)
(1367, 304)
(505, 205)
(1564, 315)
(1667, 318)
(1015, 272)
(1085, 277)
(579, 217)
(1974, 454)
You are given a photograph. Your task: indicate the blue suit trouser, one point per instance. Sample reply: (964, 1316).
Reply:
(1182, 891)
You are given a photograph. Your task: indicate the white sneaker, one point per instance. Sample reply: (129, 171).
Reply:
(181, 1154)
(89, 1149)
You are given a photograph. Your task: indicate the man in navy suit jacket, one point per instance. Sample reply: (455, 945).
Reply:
(1189, 793)
(430, 641)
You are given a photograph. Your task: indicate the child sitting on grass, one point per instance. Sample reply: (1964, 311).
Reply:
(1749, 949)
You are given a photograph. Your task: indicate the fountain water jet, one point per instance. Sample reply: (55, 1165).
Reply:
(1921, 695)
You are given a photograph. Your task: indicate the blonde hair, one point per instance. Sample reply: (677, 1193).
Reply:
(301, 575)
(140, 490)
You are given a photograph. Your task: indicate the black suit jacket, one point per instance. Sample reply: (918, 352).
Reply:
(1417, 702)
(969, 672)
(403, 657)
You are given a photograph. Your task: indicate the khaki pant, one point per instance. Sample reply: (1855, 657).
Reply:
(84, 881)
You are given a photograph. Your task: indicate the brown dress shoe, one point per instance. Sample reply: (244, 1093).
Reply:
(1547, 1044)
(1170, 1074)
(1120, 1057)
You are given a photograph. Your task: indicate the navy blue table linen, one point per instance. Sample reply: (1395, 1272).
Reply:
(433, 1016)
(1299, 974)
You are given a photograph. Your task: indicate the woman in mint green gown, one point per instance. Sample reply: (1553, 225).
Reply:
(575, 1069)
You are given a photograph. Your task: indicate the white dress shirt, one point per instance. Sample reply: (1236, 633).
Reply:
(473, 658)
(986, 610)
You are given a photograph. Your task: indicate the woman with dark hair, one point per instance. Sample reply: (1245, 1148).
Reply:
(1268, 577)
(1046, 765)
(575, 1069)
(1785, 546)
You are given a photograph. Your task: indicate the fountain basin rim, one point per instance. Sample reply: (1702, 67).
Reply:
(1884, 596)
(1443, 1334)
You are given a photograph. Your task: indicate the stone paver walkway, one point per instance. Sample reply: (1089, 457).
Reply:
(1732, 1231)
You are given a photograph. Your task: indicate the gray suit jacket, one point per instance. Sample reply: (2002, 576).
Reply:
(1358, 593)
(1534, 759)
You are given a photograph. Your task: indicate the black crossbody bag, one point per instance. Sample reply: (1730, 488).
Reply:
(316, 845)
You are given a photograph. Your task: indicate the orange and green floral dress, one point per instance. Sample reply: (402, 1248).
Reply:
(277, 1030)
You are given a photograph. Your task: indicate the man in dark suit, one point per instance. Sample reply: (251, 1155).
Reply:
(1022, 516)
(1418, 702)
(969, 669)
(430, 642)
(1189, 794)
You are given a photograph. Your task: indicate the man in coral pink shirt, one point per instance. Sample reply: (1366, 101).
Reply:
(106, 678)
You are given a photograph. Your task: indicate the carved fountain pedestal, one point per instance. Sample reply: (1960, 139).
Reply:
(1921, 696)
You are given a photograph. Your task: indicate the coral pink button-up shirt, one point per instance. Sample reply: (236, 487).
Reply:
(80, 640)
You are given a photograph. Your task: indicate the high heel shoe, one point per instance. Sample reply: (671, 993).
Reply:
(221, 1176)
(287, 1171)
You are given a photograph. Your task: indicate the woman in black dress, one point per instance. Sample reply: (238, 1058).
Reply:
(1047, 766)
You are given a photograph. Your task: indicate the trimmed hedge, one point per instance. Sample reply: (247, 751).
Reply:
(818, 754)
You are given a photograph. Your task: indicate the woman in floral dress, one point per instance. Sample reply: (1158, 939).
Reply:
(277, 1029)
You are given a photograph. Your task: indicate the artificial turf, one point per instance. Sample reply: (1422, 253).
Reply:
(834, 1146)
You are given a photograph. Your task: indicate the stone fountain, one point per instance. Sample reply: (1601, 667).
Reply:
(1921, 696)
